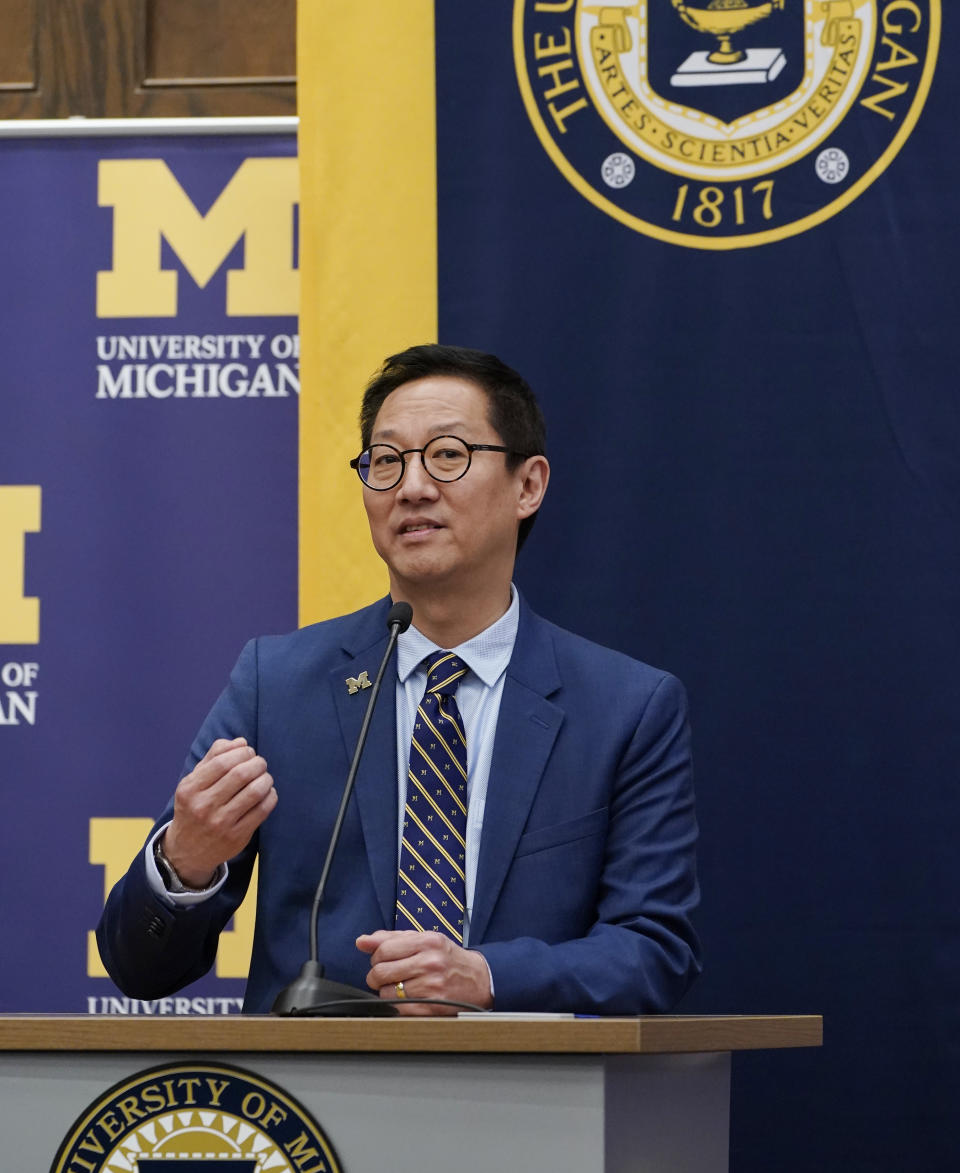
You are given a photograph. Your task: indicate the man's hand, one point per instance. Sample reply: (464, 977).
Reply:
(430, 965)
(216, 809)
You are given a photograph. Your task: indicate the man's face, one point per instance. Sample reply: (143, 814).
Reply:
(444, 534)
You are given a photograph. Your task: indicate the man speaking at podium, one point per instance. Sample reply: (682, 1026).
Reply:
(522, 832)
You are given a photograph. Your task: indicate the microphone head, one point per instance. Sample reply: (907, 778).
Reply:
(400, 617)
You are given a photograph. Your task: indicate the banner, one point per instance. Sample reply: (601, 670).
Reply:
(719, 239)
(149, 360)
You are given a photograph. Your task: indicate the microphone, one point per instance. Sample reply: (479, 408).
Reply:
(310, 992)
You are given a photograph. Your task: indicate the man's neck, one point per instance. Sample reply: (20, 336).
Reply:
(449, 619)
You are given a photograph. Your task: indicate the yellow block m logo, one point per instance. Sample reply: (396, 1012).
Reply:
(19, 515)
(149, 204)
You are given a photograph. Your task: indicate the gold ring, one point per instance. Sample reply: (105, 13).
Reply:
(401, 992)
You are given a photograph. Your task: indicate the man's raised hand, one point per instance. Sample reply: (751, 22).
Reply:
(216, 809)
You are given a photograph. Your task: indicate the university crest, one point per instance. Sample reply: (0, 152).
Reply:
(194, 1117)
(724, 123)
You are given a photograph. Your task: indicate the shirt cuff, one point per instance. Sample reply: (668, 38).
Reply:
(178, 899)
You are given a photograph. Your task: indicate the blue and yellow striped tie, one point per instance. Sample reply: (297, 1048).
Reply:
(431, 889)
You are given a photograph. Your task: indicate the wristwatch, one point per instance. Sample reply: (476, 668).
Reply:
(171, 881)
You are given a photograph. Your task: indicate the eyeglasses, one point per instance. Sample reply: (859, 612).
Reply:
(445, 458)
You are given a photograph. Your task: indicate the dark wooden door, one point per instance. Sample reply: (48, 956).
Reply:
(147, 58)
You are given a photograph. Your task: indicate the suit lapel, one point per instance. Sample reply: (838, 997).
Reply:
(527, 727)
(376, 785)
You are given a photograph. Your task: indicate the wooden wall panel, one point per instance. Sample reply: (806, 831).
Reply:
(18, 19)
(225, 41)
(146, 58)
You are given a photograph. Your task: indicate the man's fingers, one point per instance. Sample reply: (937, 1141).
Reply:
(221, 745)
(244, 787)
(221, 789)
(217, 807)
(430, 965)
(212, 767)
(413, 1009)
(403, 956)
(222, 806)
(388, 973)
(368, 942)
(254, 802)
(392, 946)
(226, 775)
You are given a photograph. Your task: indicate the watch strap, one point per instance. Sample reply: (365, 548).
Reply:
(168, 873)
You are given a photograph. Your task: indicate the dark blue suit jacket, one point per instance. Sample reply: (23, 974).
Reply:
(586, 875)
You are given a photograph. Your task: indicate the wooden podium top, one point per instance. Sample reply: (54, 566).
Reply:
(656, 1034)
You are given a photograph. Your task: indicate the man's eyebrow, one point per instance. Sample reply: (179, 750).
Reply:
(450, 429)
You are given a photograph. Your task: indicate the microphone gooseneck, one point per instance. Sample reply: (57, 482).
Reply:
(310, 991)
(399, 619)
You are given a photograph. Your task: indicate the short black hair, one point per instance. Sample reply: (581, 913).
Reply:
(513, 411)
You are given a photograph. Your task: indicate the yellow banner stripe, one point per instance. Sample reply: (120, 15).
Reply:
(439, 846)
(368, 260)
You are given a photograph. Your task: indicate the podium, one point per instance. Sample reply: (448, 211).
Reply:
(406, 1095)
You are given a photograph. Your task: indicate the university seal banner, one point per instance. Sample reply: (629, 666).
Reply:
(724, 123)
(719, 238)
(150, 385)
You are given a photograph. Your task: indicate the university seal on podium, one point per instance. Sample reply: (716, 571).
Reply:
(723, 124)
(194, 1118)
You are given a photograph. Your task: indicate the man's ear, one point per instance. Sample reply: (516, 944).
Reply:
(533, 476)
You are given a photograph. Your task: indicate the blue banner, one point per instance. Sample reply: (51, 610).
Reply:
(720, 240)
(147, 510)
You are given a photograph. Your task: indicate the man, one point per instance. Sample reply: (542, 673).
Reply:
(559, 873)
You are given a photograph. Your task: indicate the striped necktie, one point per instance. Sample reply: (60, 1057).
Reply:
(431, 889)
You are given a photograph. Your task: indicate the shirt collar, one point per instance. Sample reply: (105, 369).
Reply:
(486, 655)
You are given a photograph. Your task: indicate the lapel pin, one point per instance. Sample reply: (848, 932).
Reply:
(355, 683)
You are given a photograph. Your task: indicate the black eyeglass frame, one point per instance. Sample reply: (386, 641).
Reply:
(405, 452)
